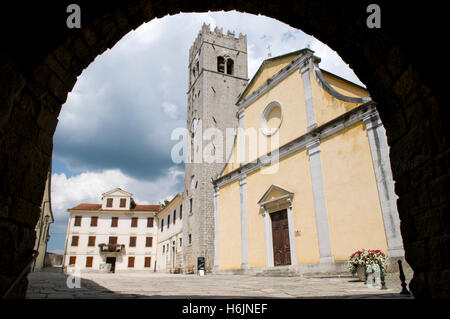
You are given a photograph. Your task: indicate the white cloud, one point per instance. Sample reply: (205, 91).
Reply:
(87, 188)
(170, 109)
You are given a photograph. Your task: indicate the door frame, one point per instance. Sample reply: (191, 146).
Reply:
(273, 207)
(282, 229)
(113, 264)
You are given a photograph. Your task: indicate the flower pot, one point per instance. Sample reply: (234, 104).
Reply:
(361, 272)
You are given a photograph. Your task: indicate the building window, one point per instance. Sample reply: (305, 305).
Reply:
(148, 262)
(230, 66)
(123, 202)
(181, 212)
(148, 241)
(75, 241)
(112, 240)
(131, 262)
(91, 241)
(72, 260)
(271, 118)
(134, 222)
(164, 249)
(89, 260)
(150, 222)
(114, 221)
(168, 221)
(190, 239)
(77, 221)
(133, 241)
(162, 224)
(220, 64)
(94, 221)
(109, 202)
(190, 206)
(174, 216)
(181, 242)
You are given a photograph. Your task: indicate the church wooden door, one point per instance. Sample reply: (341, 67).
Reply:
(280, 238)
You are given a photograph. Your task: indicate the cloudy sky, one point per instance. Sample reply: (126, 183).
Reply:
(114, 130)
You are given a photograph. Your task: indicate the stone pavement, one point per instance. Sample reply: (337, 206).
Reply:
(52, 283)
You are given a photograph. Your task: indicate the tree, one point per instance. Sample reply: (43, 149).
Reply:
(166, 202)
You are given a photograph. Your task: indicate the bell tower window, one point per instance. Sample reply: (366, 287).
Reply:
(230, 65)
(220, 64)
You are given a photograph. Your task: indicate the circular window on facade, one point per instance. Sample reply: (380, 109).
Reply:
(271, 118)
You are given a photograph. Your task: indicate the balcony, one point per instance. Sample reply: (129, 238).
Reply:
(111, 248)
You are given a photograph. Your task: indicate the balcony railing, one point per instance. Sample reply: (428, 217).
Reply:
(111, 248)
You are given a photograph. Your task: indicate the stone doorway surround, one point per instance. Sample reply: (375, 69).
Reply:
(271, 206)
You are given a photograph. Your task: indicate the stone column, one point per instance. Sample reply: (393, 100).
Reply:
(292, 245)
(320, 207)
(306, 79)
(216, 228)
(241, 143)
(268, 238)
(244, 230)
(385, 183)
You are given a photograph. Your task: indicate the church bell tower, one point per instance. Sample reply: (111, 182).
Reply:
(217, 76)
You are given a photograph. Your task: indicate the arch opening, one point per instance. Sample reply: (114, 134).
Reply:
(407, 97)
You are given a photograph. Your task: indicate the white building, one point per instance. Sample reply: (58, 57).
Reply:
(170, 236)
(117, 234)
(43, 225)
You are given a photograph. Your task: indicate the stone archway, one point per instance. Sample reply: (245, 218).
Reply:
(42, 59)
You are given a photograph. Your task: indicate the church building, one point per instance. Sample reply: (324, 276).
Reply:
(308, 181)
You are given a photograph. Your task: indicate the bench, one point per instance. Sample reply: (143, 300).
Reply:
(189, 269)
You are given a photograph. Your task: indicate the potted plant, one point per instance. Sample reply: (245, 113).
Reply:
(359, 260)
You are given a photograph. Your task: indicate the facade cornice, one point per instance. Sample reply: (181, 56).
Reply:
(105, 211)
(330, 90)
(309, 139)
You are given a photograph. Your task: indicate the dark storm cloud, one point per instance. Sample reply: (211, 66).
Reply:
(127, 102)
(117, 115)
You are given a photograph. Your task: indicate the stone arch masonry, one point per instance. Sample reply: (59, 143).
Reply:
(40, 60)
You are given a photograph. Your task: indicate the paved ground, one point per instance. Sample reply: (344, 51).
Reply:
(52, 283)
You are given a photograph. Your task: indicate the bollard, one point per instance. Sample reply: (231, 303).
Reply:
(374, 279)
(367, 274)
(402, 279)
(383, 282)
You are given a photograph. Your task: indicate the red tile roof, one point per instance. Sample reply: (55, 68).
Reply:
(147, 207)
(84, 206)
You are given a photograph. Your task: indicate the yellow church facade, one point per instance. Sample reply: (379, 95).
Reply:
(308, 180)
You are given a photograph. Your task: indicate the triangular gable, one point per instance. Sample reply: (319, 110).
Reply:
(117, 192)
(274, 193)
(269, 68)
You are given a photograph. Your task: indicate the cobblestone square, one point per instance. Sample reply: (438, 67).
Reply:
(51, 283)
